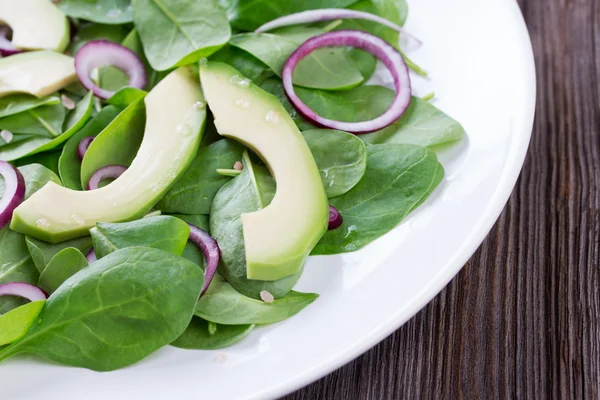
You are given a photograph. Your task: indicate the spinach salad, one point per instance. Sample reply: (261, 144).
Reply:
(168, 166)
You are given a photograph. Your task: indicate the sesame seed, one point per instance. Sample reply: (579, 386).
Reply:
(266, 296)
(67, 102)
(238, 166)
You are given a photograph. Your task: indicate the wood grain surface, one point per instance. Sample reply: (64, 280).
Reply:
(522, 319)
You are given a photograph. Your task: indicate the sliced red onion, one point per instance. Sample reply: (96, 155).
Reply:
(91, 256)
(22, 289)
(6, 46)
(378, 47)
(210, 249)
(335, 218)
(110, 171)
(102, 53)
(14, 192)
(84, 145)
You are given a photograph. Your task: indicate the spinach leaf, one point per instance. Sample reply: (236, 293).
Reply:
(398, 178)
(191, 251)
(116, 311)
(69, 164)
(36, 176)
(251, 191)
(244, 62)
(224, 305)
(248, 15)
(194, 192)
(125, 96)
(89, 32)
(118, 143)
(42, 252)
(105, 11)
(48, 160)
(180, 33)
(15, 324)
(162, 232)
(340, 156)
(61, 267)
(74, 121)
(19, 103)
(198, 337)
(328, 68)
(16, 265)
(422, 123)
(44, 121)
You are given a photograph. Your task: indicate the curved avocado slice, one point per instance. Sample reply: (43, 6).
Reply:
(39, 73)
(36, 24)
(176, 115)
(279, 237)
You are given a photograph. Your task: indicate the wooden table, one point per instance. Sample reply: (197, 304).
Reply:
(522, 319)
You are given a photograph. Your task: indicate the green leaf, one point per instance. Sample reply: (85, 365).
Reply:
(61, 267)
(244, 62)
(251, 191)
(162, 232)
(15, 324)
(19, 103)
(118, 143)
(224, 305)
(398, 178)
(125, 96)
(16, 265)
(198, 337)
(191, 251)
(340, 156)
(69, 164)
(326, 68)
(194, 192)
(115, 312)
(104, 12)
(44, 121)
(36, 176)
(74, 121)
(89, 32)
(48, 159)
(42, 252)
(180, 33)
(250, 14)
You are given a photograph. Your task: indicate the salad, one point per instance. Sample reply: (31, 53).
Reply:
(169, 166)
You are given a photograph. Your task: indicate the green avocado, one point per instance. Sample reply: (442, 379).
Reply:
(36, 24)
(176, 116)
(39, 73)
(279, 237)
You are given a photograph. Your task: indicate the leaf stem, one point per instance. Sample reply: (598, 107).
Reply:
(413, 66)
(332, 25)
(44, 123)
(429, 96)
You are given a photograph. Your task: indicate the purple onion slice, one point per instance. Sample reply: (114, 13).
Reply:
(335, 218)
(110, 171)
(14, 192)
(22, 289)
(91, 256)
(84, 144)
(378, 47)
(102, 53)
(212, 253)
(6, 46)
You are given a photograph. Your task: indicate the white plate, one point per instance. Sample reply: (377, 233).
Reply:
(482, 70)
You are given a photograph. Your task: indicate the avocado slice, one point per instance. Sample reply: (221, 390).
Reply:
(39, 73)
(36, 24)
(176, 116)
(279, 237)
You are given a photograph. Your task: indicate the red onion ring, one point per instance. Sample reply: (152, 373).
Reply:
(14, 192)
(102, 53)
(378, 47)
(210, 249)
(6, 46)
(84, 144)
(91, 256)
(330, 14)
(22, 289)
(335, 219)
(110, 171)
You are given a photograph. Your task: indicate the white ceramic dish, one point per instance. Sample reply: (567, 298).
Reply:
(482, 70)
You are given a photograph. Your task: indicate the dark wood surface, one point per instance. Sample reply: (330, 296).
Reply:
(522, 319)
